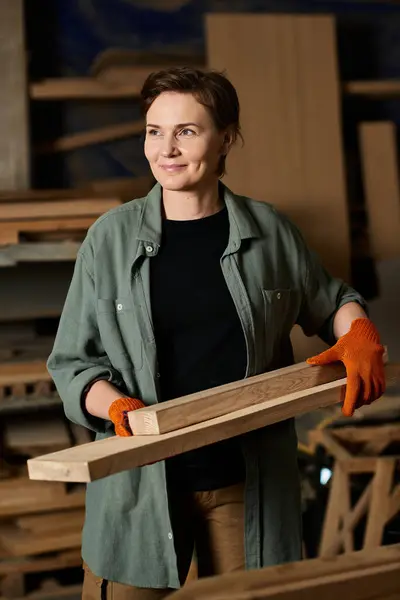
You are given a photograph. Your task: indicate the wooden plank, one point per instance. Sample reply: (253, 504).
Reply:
(284, 68)
(56, 521)
(67, 224)
(389, 88)
(349, 522)
(24, 372)
(36, 434)
(382, 484)
(62, 560)
(365, 433)
(95, 136)
(382, 187)
(80, 88)
(334, 510)
(192, 409)
(39, 502)
(14, 127)
(24, 543)
(36, 252)
(56, 209)
(358, 575)
(105, 457)
(64, 250)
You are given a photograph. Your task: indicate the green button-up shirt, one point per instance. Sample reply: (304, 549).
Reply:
(106, 332)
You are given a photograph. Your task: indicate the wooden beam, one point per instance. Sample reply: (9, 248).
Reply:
(364, 575)
(382, 187)
(56, 209)
(95, 136)
(11, 230)
(78, 88)
(192, 409)
(14, 126)
(23, 372)
(38, 252)
(113, 455)
(285, 70)
(373, 89)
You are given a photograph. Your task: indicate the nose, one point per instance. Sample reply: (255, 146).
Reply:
(168, 146)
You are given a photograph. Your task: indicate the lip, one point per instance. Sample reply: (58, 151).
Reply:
(172, 168)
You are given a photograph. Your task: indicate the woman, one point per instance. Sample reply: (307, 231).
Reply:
(189, 288)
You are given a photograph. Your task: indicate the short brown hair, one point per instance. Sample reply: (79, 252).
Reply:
(212, 89)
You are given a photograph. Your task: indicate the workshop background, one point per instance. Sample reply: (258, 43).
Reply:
(319, 84)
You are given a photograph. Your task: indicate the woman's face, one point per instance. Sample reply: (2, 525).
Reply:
(182, 144)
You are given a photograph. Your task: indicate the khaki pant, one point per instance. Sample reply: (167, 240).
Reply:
(211, 522)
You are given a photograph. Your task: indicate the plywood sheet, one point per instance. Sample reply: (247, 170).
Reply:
(14, 142)
(284, 68)
(382, 187)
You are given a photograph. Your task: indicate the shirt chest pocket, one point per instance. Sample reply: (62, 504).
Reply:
(281, 307)
(119, 333)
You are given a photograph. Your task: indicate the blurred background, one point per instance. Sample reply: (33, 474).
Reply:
(319, 85)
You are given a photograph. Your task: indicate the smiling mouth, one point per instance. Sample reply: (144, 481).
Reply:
(172, 168)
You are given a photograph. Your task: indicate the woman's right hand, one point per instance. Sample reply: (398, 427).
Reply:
(118, 413)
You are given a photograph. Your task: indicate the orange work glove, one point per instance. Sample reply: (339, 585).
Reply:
(118, 413)
(361, 353)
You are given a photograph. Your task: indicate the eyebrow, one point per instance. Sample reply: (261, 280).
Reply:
(178, 126)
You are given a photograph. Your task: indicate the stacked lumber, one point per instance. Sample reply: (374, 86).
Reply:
(370, 455)
(372, 575)
(32, 212)
(25, 379)
(40, 522)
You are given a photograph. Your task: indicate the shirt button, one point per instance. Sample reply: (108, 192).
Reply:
(170, 536)
(120, 306)
(149, 248)
(278, 295)
(157, 375)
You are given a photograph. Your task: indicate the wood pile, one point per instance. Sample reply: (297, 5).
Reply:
(31, 213)
(40, 522)
(49, 225)
(25, 380)
(368, 456)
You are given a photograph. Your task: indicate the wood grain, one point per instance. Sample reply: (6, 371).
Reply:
(56, 209)
(192, 409)
(372, 575)
(284, 68)
(98, 459)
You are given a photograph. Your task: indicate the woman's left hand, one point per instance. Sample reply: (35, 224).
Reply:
(361, 352)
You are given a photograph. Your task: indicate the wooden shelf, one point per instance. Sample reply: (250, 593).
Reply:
(389, 88)
(80, 88)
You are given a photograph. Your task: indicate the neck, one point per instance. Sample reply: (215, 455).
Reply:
(191, 204)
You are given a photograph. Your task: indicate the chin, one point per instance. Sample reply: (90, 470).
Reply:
(177, 184)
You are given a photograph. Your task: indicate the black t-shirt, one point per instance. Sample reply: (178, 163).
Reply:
(199, 337)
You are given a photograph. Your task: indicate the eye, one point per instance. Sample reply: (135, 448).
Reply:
(153, 132)
(187, 132)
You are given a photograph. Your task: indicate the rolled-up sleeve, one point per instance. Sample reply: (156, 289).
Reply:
(78, 358)
(322, 296)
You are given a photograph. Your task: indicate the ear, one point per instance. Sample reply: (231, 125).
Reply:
(228, 140)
